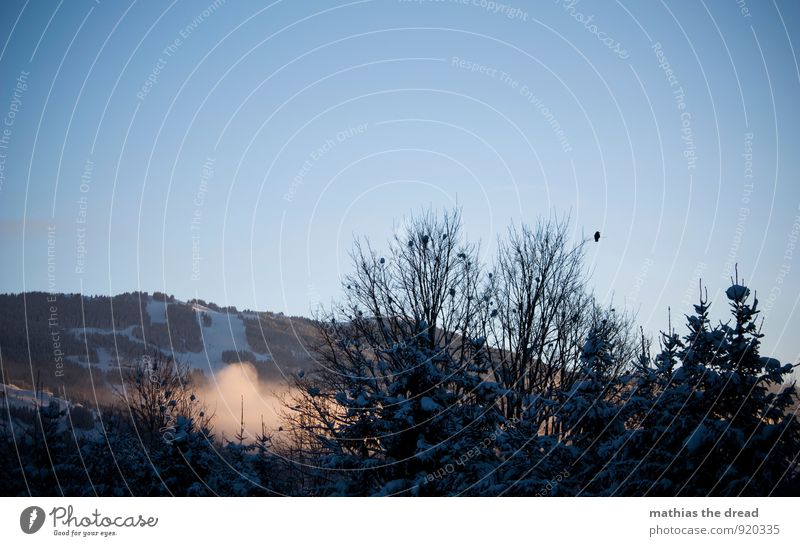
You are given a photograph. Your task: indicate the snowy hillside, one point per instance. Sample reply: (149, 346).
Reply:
(20, 405)
(17, 397)
(220, 331)
(225, 333)
(90, 339)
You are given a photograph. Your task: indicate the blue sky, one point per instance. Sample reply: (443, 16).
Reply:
(230, 151)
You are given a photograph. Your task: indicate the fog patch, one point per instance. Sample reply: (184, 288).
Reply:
(222, 396)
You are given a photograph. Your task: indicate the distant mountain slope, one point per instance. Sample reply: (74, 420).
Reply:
(101, 334)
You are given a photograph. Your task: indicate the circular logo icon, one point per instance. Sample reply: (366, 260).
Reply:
(31, 519)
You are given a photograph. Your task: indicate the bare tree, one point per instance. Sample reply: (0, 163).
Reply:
(155, 391)
(401, 350)
(541, 312)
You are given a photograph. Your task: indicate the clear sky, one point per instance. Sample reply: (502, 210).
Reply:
(231, 150)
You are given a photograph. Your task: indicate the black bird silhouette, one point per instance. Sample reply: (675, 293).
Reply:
(596, 236)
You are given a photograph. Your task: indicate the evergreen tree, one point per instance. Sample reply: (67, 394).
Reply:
(591, 413)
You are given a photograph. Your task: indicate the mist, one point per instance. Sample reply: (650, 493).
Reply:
(235, 388)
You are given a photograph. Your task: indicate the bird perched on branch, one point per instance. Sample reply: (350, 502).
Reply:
(596, 236)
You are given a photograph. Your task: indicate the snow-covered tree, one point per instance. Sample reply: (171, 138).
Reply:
(401, 392)
(720, 420)
(591, 414)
